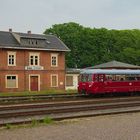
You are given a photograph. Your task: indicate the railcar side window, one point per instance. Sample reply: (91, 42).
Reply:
(114, 77)
(122, 77)
(132, 77)
(96, 77)
(101, 77)
(109, 77)
(138, 78)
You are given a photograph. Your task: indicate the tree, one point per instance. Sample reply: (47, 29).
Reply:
(91, 46)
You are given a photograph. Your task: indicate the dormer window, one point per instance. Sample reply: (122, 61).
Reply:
(32, 42)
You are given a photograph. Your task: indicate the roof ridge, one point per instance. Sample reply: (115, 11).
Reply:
(114, 63)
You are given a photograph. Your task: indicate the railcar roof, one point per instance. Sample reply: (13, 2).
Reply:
(112, 71)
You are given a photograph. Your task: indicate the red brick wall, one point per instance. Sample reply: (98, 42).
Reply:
(22, 60)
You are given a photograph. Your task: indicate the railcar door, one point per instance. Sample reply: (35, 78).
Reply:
(101, 78)
(111, 83)
(83, 84)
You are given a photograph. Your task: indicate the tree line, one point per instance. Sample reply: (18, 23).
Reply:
(92, 46)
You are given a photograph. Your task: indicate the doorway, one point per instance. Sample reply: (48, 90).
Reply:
(34, 83)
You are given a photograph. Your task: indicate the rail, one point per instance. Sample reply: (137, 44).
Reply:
(36, 98)
(25, 113)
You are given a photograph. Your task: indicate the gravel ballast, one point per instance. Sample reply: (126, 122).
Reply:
(110, 127)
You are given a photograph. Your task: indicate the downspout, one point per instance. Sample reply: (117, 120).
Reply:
(24, 72)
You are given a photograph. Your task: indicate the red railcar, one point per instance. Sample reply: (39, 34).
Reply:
(98, 81)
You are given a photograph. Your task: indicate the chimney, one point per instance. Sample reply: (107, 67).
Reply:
(29, 32)
(10, 29)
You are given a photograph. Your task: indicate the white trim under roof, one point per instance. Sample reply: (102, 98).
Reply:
(112, 71)
(24, 48)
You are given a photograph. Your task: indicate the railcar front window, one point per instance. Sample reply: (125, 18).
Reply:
(89, 79)
(83, 78)
(86, 78)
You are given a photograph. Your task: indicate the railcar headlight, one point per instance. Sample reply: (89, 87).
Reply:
(91, 84)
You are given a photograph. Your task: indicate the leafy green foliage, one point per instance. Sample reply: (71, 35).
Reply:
(8, 126)
(34, 122)
(91, 46)
(47, 120)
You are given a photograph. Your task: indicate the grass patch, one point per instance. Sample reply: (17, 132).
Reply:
(34, 122)
(47, 120)
(44, 92)
(37, 123)
(8, 126)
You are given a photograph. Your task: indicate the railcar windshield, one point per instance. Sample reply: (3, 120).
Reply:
(85, 78)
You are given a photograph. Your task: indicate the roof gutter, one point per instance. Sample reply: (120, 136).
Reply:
(23, 48)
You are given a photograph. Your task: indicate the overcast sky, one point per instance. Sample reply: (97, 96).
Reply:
(37, 15)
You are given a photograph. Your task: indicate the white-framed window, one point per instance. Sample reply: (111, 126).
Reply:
(54, 80)
(69, 80)
(34, 59)
(54, 60)
(11, 81)
(11, 58)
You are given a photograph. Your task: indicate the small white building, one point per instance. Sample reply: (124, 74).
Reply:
(72, 76)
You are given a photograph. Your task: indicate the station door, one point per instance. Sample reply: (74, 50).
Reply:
(34, 83)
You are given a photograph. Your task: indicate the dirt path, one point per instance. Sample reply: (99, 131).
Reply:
(115, 127)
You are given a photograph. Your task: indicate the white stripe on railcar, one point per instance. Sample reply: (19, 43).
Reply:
(110, 71)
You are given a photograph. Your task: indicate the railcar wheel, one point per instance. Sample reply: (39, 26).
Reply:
(131, 93)
(83, 92)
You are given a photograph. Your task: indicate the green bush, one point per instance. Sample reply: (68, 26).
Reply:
(8, 126)
(34, 122)
(47, 120)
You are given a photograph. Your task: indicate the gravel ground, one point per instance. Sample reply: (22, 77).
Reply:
(111, 127)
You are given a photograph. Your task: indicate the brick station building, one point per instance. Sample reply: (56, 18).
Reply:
(31, 62)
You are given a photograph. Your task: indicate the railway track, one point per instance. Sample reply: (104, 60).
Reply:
(25, 113)
(44, 98)
(38, 98)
